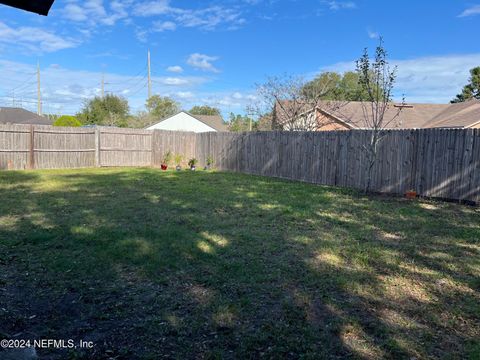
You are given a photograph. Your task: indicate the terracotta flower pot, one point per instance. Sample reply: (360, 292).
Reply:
(164, 166)
(411, 194)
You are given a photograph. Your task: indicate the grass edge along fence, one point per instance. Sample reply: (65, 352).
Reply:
(441, 163)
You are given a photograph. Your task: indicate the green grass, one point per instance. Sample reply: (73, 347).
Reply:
(218, 265)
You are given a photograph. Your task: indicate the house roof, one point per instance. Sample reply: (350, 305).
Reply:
(10, 115)
(41, 7)
(410, 116)
(214, 121)
(461, 115)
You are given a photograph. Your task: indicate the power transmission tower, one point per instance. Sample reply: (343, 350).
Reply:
(39, 93)
(149, 77)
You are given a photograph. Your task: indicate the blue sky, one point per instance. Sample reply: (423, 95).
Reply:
(214, 52)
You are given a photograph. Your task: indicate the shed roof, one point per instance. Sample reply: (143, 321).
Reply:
(214, 121)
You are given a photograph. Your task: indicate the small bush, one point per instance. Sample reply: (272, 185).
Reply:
(67, 120)
(210, 160)
(192, 162)
(167, 158)
(178, 159)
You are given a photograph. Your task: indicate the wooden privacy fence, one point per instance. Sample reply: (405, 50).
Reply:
(47, 147)
(443, 163)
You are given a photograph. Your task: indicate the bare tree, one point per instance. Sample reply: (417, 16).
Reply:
(293, 103)
(378, 80)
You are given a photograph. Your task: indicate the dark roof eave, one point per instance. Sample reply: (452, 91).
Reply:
(41, 7)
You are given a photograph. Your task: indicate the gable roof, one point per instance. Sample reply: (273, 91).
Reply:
(463, 115)
(10, 115)
(460, 115)
(213, 121)
(410, 116)
(41, 7)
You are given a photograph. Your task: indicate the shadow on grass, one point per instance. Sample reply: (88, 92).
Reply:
(146, 263)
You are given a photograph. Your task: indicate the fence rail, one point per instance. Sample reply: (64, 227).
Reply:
(443, 163)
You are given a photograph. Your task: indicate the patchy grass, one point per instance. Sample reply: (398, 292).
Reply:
(213, 265)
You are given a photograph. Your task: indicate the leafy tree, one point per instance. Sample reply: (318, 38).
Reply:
(67, 120)
(328, 82)
(334, 86)
(162, 107)
(141, 120)
(204, 110)
(472, 89)
(110, 110)
(239, 123)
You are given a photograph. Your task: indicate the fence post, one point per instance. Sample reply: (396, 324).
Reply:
(31, 148)
(97, 147)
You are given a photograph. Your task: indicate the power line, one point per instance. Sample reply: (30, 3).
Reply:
(24, 83)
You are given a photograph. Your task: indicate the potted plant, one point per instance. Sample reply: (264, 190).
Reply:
(178, 161)
(209, 162)
(192, 162)
(411, 194)
(167, 158)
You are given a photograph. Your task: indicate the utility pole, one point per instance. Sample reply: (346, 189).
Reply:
(103, 85)
(39, 94)
(149, 77)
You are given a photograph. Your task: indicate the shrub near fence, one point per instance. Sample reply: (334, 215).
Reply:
(442, 163)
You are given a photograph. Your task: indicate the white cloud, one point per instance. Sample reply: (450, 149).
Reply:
(175, 69)
(185, 94)
(373, 34)
(90, 14)
(174, 81)
(471, 11)
(434, 79)
(93, 12)
(34, 39)
(202, 62)
(161, 26)
(151, 8)
(340, 5)
(75, 12)
(207, 18)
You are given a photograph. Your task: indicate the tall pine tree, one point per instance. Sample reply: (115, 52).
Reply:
(472, 89)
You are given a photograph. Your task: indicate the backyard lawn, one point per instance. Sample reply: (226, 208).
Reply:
(149, 264)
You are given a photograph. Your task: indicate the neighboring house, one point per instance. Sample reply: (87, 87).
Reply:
(184, 121)
(331, 115)
(10, 115)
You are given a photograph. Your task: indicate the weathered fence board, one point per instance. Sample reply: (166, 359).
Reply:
(125, 147)
(14, 146)
(442, 163)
